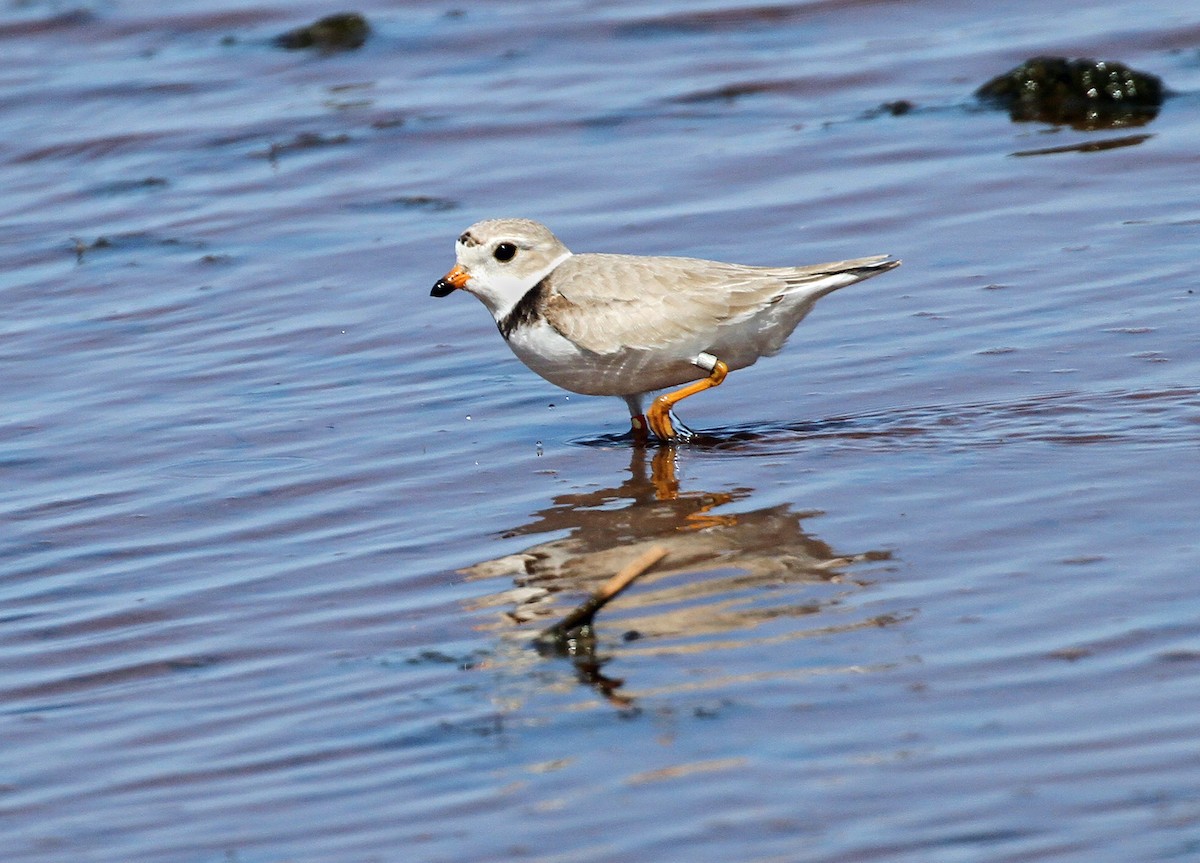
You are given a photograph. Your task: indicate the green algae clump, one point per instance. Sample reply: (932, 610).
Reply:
(1084, 93)
(345, 31)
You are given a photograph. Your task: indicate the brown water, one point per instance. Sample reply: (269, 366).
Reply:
(276, 528)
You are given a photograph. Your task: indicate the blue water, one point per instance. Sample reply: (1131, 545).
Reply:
(276, 528)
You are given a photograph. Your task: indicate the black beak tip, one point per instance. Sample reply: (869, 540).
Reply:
(441, 288)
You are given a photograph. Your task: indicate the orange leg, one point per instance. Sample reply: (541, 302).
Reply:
(659, 415)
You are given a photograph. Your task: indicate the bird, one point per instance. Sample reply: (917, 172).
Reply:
(632, 325)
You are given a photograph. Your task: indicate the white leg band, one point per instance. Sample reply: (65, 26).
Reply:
(705, 361)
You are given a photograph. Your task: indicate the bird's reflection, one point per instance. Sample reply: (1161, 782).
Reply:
(729, 568)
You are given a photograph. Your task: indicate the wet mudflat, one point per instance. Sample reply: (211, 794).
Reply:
(276, 528)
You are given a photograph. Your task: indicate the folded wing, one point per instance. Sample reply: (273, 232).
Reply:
(609, 303)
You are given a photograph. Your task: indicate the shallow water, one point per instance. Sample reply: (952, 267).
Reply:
(277, 528)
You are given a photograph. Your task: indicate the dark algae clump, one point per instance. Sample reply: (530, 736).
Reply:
(343, 32)
(1084, 93)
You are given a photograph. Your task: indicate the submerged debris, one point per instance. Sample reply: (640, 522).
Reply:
(566, 630)
(342, 32)
(1084, 93)
(896, 108)
(429, 202)
(1089, 146)
(302, 141)
(132, 241)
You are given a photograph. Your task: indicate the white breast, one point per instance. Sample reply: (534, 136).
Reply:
(564, 364)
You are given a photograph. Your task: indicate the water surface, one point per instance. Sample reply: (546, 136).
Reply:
(277, 528)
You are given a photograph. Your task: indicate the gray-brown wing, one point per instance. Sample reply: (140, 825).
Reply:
(607, 303)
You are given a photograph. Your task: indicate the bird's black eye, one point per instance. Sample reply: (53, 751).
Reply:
(505, 252)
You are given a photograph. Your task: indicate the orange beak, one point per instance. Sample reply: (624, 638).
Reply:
(456, 278)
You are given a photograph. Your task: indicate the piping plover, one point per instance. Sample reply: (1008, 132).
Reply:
(624, 325)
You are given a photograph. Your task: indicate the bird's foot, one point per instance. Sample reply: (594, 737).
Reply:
(660, 418)
(666, 426)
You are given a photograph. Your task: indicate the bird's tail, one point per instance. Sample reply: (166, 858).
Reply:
(815, 281)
